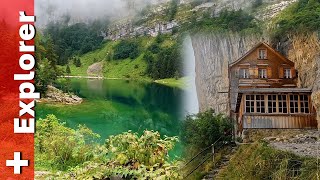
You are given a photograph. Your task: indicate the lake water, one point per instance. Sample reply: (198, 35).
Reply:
(111, 107)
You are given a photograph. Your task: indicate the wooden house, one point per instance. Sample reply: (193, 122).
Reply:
(264, 93)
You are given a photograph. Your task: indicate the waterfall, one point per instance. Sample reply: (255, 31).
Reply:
(213, 52)
(190, 99)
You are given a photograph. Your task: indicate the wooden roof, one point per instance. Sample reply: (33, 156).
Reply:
(268, 47)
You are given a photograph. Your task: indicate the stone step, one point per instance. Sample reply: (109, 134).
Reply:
(224, 161)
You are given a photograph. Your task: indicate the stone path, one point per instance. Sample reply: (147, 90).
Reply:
(223, 163)
(304, 144)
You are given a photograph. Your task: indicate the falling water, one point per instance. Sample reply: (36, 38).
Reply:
(191, 105)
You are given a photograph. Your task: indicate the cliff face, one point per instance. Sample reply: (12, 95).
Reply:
(213, 53)
(304, 50)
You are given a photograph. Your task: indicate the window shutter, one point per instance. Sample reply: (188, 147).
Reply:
(256, 72)
(269, 72)
(251, 72)
(281, 72)
(293, 72)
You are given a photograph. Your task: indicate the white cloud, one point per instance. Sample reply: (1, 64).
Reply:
(82, 10)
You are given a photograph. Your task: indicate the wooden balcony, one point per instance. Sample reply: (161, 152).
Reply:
(267, 83)
(280, 121)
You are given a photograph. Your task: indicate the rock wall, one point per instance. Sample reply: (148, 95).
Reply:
(304, 50)
(213, 53)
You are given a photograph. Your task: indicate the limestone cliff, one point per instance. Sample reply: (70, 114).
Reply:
(213, 53)
(304, 50)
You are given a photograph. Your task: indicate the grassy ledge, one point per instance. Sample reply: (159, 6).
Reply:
(172, 82)
(260, 161)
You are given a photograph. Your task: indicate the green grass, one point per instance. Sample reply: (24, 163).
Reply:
(121, 68)
(90, 58)
(172, 82)
(126, 68)
(259, 161)
(300, 17)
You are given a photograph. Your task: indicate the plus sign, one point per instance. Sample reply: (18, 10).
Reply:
(17, 163)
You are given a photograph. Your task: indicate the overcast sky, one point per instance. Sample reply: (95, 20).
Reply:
(48, 10)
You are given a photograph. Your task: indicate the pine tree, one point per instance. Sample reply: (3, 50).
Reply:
(74, 60)
(78, 62)
(51, 55)
(68, 70)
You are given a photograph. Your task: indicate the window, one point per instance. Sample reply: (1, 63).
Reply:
(250, 103)
(282, 100)
(260, 104)
(292, 103)
(263, 73)
(262, 54)
(272, 103)
(294, 106)
(244, 73)
(287, 74)
(304, 104)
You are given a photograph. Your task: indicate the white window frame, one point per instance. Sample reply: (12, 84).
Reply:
(283, 104)
(272, 103)
(304, 104)
(287, 73)
(251, 100)
(244, 73)
(262, 73)
(262, 54)
(260, 103)
(294, 103)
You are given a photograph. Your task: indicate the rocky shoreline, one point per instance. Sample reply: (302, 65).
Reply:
(54, 95)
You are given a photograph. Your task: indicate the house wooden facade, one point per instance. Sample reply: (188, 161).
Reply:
(264, 93)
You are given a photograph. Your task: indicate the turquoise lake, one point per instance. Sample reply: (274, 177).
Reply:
(111, 107)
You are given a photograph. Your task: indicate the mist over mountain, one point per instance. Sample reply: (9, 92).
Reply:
(86, 10)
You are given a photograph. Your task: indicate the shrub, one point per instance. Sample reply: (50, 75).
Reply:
(127, 155)
(131, 156)
(63, 146)
(204, 129)
(154, 48)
